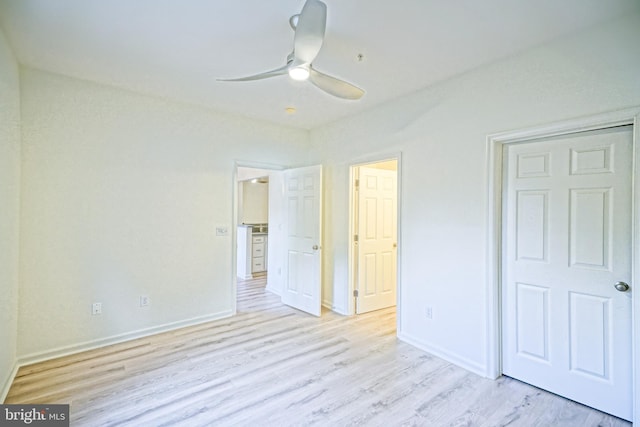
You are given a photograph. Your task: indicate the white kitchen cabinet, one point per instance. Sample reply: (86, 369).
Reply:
(252, 251)
(259, 253)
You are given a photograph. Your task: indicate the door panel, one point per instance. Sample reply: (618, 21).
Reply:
(567, 240)
(532, 308)
(589, 331)
(377, 239)
(303, 194)
(590, 227)
(532, 225)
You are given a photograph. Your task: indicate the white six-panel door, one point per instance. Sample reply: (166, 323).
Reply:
(567, 242)
(377, 239)
(303, 195)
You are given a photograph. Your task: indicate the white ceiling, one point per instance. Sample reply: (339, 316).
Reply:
(177, 48)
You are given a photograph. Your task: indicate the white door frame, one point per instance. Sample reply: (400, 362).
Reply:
(351, 253)
(495, 145)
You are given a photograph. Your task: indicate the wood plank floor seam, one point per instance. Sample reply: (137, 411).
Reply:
(271, 365)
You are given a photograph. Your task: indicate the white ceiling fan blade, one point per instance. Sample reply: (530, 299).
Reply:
(334, 86)
(309, 35)
(273, 73)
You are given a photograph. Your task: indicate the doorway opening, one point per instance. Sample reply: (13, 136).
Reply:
(253, 222)
(277, 229)
(256, 207)
(373, 235)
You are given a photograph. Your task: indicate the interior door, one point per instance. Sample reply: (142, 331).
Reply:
(567, 240)
(303, 197)
(377, 239)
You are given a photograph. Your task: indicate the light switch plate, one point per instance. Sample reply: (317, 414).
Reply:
(96, 308)
(222, 230)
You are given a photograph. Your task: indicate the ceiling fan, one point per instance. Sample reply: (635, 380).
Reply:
(309, 27)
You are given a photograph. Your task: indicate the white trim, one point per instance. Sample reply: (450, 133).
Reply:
(233, 303)
(351, 255)
(495, 144)
(117, 339)
(272, 289)
(635, 268)
(494, 258)
(336, 309)
(444, 354)
(4, 392)
(103, 342)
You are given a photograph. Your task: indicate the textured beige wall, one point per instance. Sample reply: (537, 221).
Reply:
(9, 210)
(122, 194)
(441, 133)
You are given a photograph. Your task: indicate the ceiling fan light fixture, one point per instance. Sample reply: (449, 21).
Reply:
(299, 73)
(309, 29)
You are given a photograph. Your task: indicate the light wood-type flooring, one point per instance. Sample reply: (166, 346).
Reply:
(271, 365)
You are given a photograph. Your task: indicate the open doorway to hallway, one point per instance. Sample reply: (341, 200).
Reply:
(287, 245)
(374, 230)
(253, 226)
(252, 218)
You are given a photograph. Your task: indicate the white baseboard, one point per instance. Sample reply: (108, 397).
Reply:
(329, 305)
(273, 290)
(456, 359)
(116, 339)
(8, 381)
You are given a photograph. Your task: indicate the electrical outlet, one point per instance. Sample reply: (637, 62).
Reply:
(222, 230)
(96, 308)
(429, 313)
(144, 301)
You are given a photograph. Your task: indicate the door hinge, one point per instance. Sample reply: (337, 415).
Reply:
(355, 293)
(357, 184)
(355, 237)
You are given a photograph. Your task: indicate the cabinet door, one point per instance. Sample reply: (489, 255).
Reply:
(258, 250)
(257, 265)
